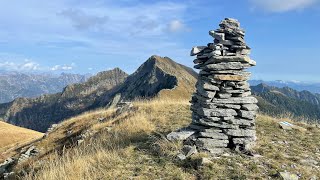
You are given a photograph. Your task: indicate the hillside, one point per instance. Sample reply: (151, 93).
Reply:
(39, 113)
(14, 84)
(13, 136)
(157, 75)
(286, 101)
(132, 145)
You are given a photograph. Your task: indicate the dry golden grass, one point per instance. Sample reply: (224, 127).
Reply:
(13, 137)
(133, 146)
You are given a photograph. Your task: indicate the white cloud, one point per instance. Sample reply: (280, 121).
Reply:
(177, 25)
(62, 67)
(27, 65)
(283, 5)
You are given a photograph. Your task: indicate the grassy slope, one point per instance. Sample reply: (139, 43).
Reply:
(13, 136)
(132, 145)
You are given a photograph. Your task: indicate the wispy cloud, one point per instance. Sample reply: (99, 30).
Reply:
(81, 20)
(97, 27)
(283, 5)
(27, 65)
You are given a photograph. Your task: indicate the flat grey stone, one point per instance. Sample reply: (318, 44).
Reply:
(203, 99)
(213, 135)
(216, 35)
(231, 106)
(180, 135)
(245, 52)
(236, 39)
(221, 125)
(241, 132)
(207, 86)
(181, 157)
(207, 94)
(196, 50)
(224, 95)
(250, 107)
(233, 72)
(242, 59)
(211, 143)
(226, 42)
(238, 121)
(217, 112)
(224, 66)
(237, 91)
(247, 114)
(236, 100)
(212, 130)
(245, 94)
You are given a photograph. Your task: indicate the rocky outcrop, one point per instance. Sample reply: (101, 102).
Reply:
(32, 151)
(5, 165)
(223, 110)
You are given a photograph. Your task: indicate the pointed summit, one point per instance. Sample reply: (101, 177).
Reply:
(158, 76)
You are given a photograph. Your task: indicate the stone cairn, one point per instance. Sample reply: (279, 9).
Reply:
(223, 110)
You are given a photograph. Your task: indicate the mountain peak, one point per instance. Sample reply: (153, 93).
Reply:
(157, 74)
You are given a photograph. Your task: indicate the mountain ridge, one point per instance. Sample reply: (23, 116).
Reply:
(155, 77)
(39, 113)
(313, 87)
(287, 101)
(14, 84)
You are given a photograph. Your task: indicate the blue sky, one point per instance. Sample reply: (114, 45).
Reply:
(86, 37)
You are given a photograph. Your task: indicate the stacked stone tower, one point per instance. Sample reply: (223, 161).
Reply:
(223, 110)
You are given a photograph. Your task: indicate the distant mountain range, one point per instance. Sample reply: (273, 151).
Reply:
(301, 105)
(297, 85)
(14, 84)
(154, 77)
(158, 76)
